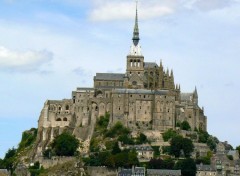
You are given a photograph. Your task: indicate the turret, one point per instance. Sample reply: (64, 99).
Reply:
(195, 96)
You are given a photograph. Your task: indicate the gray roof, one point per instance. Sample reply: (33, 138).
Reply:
(140, 91)
(164, 172)
(125, 172)
(109, 76)
(142, 148)
(150, 65)
(186, 96)
(203, 167)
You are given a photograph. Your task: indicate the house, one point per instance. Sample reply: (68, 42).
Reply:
(135, 171)
(205, 170)
(163, 172)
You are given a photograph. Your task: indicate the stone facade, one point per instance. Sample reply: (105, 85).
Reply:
(145, 97)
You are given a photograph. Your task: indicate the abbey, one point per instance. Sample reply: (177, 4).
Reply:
(145, 97)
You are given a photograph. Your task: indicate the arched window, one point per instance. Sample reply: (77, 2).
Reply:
(96, 108)
(59, 108)
(58, 119)
(67, 107)
(65, 119)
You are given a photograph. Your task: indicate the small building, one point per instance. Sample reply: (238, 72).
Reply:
(205, 170)
(144, 152)
(163, 172)
(135, 171)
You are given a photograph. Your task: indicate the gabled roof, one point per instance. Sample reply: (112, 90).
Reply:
(203, 167)
(150, 65)
(109, 76)
(186, 96)
(164, 172)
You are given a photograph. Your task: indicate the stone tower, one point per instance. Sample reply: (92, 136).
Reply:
(135, 61)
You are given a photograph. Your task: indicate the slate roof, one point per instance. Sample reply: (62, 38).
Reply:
(109, 76)
(142, 148)
(141, 91)
(203, 167)
(125, 172)
(186, 96)
(150, 65)
(163, 172)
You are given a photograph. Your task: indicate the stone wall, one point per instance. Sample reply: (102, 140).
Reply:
(101, 171)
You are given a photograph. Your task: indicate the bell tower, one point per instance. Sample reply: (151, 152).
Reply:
(135, 61)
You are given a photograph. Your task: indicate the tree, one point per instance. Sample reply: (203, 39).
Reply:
(212, 142)
(176, 146)
(65, 144)
(9, 159)
(238, 148)
(187, 167)
(169, 134)
(116, 149)
(203, 136)
(185, 126)
(141, 139)
(2, 166)
(180, 144)
(187, 147)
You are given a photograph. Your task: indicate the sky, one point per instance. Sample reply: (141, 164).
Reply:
(48, 48)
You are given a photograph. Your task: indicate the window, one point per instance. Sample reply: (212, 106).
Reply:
(67, 107)
(65, 119)
(58, 119)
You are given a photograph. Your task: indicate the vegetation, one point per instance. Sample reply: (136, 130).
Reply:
(65, 145)
(238, 148)
(180, 145)
(187, 167)
(230, 157)
(28, 138)
(161, 164)
(35, 170)
(156, 151)
(185, 126)
(169, 134)
(117, 130)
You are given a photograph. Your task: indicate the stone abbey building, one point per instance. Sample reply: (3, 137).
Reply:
(145, 97)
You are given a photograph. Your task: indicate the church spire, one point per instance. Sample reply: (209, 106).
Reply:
(136, 30)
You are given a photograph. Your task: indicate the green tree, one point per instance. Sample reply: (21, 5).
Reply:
(180, 144)
(187, 147)
(116, 149)
(185, 126)
(65, 144)
(238, 148)
(28, 138)
(2, 166)
(9, 159)
(176, 146)
(187, 167)
(169, 134)
(203, 136)
(142, 138)
(212, 142)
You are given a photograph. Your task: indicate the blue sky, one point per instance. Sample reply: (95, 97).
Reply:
(48, 48)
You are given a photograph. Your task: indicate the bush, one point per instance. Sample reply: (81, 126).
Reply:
(117, 130)
(185, 126)
(169, 134)
(65, 144)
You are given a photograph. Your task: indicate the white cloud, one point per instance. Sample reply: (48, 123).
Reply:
(23, 61)
(118, 10)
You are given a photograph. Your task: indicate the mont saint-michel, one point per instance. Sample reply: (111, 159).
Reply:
(134, 123)
(145, 97)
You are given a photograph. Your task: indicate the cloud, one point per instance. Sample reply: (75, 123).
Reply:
(209, 5)
(11, 60)
(106, 10)
(121, 10)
